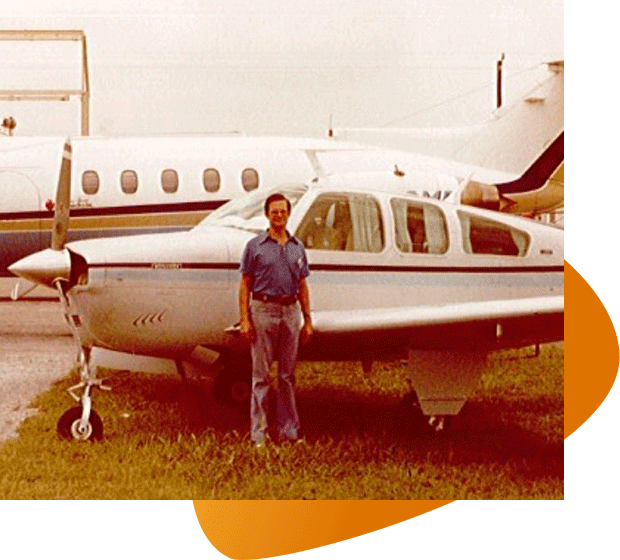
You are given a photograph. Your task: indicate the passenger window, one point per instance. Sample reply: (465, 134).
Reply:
(482, 236)
(419, 227)
(90, 182)
(129, 181)
(338, 222)
(249, 179)
(211, 180)
(169, 180)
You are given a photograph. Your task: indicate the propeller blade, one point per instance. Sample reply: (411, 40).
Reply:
(21, 289)
(63, 202)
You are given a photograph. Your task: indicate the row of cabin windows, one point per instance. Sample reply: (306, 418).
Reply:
(353, 222)
(211, 181)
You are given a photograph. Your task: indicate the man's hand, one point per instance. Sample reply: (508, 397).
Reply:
(306, 332)
(246, 328)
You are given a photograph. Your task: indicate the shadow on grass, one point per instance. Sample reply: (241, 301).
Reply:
(485, 432)
(373, 427)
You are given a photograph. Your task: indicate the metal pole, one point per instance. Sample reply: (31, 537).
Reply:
(500, 63)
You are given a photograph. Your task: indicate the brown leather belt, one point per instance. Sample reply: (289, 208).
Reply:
(283, 300)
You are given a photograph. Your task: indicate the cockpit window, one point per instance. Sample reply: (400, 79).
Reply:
(248, 212)
(343, 222)
(419, 227)
(482, 236)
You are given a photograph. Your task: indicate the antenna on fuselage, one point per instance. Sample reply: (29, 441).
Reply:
(316, 164)
(500, 64)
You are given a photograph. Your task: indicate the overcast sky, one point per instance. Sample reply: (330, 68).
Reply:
(274, 66)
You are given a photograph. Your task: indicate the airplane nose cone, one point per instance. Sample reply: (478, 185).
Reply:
(44, 267)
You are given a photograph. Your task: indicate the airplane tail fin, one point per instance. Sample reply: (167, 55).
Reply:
(540, 171)
(538, 190)
(507, 142)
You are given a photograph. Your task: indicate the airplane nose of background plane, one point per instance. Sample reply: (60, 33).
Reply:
(44, 267)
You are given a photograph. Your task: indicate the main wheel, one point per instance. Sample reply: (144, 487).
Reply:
(232, 389)
(410, 412)
(68, 426)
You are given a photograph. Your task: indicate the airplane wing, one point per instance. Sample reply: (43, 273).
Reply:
(395, 318)
(489, 325)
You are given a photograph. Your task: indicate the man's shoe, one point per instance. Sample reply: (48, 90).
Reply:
(296, 441)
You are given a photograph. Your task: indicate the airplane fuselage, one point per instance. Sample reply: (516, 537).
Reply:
(129, 186)
(162, 295)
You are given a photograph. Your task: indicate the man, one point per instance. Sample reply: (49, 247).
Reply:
(273, 269)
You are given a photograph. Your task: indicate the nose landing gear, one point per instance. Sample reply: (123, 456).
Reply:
(80, 423)
(72, 426)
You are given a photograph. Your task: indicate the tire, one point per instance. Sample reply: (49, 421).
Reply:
(410, 414)
(67, 426)
(233, 389)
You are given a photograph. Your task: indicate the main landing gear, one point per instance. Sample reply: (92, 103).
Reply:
(233, 383)
(411, 412)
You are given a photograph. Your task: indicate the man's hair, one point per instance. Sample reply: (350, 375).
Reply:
(274, 198)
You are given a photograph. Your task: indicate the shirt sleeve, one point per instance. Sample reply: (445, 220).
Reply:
(305, 269)
(247, 260)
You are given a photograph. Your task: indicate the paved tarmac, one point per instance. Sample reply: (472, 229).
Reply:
(35, 350)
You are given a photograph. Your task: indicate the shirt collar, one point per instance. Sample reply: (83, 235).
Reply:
(264, 236)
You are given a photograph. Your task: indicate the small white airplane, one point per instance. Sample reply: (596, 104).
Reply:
(125, 186)
(391, 274)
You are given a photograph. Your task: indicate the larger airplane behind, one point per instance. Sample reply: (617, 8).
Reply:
(131, 185)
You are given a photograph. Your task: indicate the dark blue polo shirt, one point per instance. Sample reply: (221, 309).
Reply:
(275, 269)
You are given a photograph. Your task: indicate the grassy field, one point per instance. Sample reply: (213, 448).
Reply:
(165, 441)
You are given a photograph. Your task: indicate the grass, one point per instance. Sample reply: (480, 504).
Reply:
(166, 441)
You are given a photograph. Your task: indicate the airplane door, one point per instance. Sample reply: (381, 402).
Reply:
(344, 236)
(20, 218)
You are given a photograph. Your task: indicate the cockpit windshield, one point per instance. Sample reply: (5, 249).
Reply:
(248, 212)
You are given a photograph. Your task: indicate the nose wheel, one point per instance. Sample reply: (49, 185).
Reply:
(82, 423)
(71, 427)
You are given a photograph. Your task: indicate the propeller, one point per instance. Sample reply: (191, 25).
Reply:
(51, 265)
(63, 201)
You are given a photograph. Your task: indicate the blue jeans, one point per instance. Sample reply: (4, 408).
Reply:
(277, 338)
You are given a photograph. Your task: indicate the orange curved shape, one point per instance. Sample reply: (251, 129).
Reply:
(243, 529)
(591, 351)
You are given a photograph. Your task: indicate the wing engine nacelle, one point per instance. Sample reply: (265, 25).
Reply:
(481, 195)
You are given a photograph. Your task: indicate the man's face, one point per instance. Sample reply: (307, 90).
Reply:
(278, 214)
